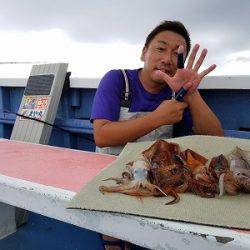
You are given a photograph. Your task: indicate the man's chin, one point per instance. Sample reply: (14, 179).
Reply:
(159, 81)
(157, 78)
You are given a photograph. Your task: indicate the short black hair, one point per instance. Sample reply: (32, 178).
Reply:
(174, 26)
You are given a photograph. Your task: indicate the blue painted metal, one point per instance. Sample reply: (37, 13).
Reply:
(237, 134)
(4, 102)
(75, 98)
(73, 115)
(45, 233)
(231, 106)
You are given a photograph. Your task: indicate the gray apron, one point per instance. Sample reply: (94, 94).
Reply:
(163, 132)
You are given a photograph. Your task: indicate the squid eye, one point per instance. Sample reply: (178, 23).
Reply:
(242, 174)
(155, 165)
(174, 171)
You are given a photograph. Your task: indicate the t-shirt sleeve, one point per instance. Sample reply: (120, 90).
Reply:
(106, 104)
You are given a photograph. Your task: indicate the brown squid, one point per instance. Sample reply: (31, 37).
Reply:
(201, 183)
(239, 161)
(134, 181)
(164, 170)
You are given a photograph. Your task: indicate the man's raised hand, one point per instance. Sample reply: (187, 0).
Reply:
(188, 76)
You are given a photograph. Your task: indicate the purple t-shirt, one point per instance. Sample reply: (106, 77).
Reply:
(108, 96)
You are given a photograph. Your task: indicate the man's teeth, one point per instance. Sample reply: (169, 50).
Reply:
(164, 71)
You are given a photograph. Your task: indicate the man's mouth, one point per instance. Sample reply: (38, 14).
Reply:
(166, 71)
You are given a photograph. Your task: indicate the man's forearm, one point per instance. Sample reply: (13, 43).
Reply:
(121, 132)
(204, 120)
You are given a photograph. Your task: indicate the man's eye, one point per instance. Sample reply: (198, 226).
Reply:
(175, 54)
(160, 49)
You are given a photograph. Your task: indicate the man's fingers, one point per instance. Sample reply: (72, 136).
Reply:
(195, 84)
(207, 71)
(187, 85)
(181, 105)
(200, 60)
(163, 76)
(192, 56)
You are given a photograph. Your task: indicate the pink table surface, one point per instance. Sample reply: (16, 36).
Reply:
(52, 166)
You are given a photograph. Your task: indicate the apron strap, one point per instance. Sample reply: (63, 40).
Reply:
(126, 95)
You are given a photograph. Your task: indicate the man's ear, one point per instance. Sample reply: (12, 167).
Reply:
(144, 50)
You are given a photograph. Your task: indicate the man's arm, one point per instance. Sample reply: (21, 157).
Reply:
(204, 120)
(112, 133)
(108, 133)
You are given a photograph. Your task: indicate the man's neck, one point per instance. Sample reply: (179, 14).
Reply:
(149, 85)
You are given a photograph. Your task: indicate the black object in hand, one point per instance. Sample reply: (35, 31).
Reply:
(180, 65)
(180, 94)
(180, 61)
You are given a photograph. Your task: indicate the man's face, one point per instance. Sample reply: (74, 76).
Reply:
(161, 54)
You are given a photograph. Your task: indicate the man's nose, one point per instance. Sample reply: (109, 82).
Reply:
(166, 58)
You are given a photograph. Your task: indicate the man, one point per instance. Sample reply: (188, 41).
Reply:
(151, 109)
(137, 105)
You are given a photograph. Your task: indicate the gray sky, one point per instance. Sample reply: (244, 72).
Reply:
(222, 26)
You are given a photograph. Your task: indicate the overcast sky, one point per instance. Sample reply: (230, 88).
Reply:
(98, 35)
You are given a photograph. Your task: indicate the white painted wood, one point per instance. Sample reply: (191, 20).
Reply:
(13, 82)
(226, 82)
(210, 82)
(151, 233)
(84, 83)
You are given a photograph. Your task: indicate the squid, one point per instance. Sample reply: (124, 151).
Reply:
(164, 170)
(239, 162)
(220, 170)
(134, 181)
(201, 183)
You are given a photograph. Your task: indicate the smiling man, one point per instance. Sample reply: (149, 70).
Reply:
(137, 105)
(143, 108)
